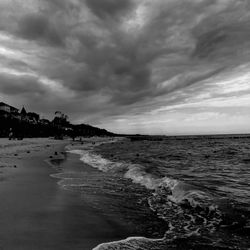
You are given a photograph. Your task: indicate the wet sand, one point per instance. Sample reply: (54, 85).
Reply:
(36, 213)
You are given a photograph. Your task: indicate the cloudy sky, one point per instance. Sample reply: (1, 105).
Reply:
(130, 66)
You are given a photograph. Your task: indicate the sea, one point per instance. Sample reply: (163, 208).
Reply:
(186, 192)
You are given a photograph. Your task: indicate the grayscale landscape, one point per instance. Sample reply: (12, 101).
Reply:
(124, 124)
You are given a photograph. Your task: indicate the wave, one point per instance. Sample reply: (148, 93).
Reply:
(135, 172)
(187, 210)
(179, 191)
(169, 196)
(131, 243)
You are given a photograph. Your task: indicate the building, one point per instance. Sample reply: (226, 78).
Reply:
(33, 117)
(30, 117)
(7, 108)
(23, 112)
(44, 122)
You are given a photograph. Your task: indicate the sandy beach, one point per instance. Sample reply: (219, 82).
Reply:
(36, 213)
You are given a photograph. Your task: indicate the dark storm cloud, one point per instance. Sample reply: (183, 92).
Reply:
(109, 8)
(19, 85)
(127, 52)
(38, 27)
(218, 39)
(185, 80)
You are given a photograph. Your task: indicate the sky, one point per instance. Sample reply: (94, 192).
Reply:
(130, 66)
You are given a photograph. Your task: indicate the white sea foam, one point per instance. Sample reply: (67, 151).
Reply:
(130, 243)
(94, 160)
(135, 172)
(66, 175)
(138, 175)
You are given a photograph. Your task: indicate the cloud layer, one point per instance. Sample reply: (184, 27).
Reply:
(108, 61)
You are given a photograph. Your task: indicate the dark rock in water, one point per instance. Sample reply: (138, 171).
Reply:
(51, 156)
(15, 154)
(55, 153)
(15, 166)
(246, 160)
(137, 155)
(231, 152)
(28, 152)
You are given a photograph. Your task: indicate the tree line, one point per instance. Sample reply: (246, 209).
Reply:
(57, 128)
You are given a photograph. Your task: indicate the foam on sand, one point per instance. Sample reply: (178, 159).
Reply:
(130, 243)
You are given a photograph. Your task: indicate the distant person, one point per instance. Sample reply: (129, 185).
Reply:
(73, 135)
(11, 134)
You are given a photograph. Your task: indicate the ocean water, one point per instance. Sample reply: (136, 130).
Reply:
(174, 193)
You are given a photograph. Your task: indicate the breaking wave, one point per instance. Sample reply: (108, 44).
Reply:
(187, 210)
(131, 243)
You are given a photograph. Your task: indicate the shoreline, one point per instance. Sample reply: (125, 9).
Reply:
(26, 193)
(71, 204)
(135, 236)
(36, 212)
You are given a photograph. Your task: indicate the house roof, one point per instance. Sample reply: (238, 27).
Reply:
(5, 104)
(23, 111)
